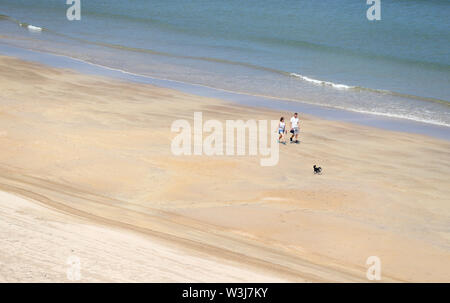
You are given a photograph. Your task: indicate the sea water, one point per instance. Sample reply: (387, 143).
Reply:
(324, 53)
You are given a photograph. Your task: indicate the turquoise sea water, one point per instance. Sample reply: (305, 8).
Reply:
(319, 52)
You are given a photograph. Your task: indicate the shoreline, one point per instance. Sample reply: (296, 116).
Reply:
(98, 147)
(323, 112)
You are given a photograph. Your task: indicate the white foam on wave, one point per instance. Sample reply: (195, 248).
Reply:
(33, 28)
(397, 116)
(320, 82)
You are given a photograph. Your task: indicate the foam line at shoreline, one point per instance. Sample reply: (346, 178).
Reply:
(368, 119)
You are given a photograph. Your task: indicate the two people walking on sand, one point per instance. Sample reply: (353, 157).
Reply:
(294, 129)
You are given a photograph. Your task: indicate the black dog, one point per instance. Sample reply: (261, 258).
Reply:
(317, 169)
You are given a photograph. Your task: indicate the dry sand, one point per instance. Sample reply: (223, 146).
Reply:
(40, 244)
(86, 170)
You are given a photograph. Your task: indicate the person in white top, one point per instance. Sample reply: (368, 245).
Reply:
(294, 128)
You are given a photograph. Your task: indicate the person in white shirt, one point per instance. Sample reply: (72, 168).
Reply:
(294, 128)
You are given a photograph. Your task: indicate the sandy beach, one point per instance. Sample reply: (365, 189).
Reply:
(86, 170)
